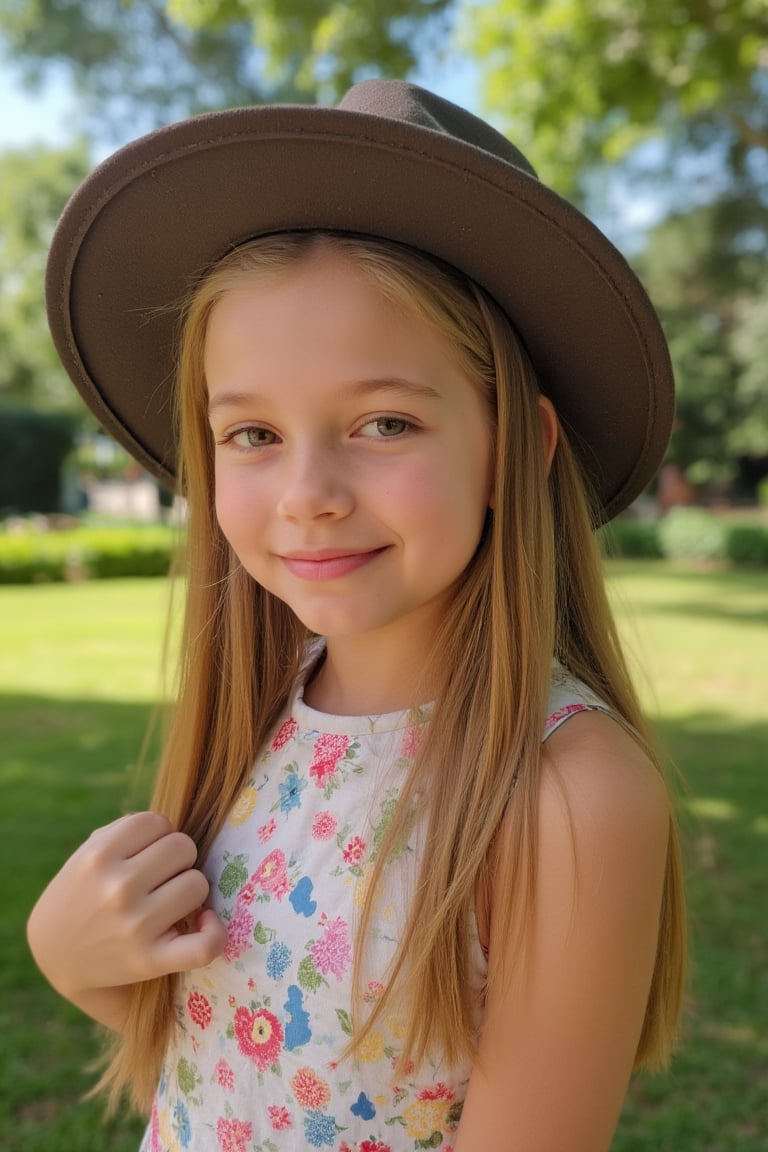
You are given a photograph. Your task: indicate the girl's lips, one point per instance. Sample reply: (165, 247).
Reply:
(328, 565)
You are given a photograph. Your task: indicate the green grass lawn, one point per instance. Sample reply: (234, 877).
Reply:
(78, 674)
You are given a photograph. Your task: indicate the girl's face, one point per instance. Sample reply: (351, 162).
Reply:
(353, 456)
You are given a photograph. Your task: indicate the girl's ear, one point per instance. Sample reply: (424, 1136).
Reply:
(549, 430)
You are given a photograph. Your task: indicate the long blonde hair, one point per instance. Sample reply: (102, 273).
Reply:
(533, 591)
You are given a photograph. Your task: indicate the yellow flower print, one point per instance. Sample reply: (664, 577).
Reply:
(362, 886)
(167, 1138)
(424, 1117)
(244, 805)
(371, 1047)
(396, 1027)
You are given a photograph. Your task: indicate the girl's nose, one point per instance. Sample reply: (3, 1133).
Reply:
(315, 484)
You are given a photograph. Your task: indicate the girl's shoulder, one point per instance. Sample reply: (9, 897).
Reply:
(568, 696)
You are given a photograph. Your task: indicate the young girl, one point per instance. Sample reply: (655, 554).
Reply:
(410, 877)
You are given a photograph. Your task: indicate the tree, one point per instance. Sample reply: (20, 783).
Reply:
(706, 272)
(34, 187)
(581, 83)
(138, 63)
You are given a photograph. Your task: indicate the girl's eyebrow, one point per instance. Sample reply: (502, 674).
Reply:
(359, 388)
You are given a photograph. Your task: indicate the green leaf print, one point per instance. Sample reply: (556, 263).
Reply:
(309, 977)
(188, 1076)
(434, 1141)
(233, 876)
(260, 933)
(454, 1114)
(345, 1020)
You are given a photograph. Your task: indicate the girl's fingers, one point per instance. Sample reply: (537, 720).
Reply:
(177, 900)
(183, 951)
(128, 836)
(160, 861)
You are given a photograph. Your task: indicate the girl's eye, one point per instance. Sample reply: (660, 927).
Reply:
(386, 427)
(252, 437)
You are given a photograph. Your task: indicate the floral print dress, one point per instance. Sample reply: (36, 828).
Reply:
(255, 1062)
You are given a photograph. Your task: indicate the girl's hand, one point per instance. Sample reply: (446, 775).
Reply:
(127, 906)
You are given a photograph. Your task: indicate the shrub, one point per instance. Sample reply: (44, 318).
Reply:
(33, 447)
(747, 544)
(692, 534)
(630, 538)
(100, 553)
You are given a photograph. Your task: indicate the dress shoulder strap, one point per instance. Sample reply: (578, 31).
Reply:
(567, 697)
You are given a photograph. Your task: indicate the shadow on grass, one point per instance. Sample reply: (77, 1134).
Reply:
(67, 766)
(715, 1095)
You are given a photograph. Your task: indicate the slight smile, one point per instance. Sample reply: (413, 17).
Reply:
(327, 563)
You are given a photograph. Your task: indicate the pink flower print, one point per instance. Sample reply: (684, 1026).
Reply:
(259, 1036)
(285, 732)
(154, 1128)
(225, 1077)
(199, 1008)
(234, 1135)
(375, 1146)
(411, 742)
(272, 875)
(440, 1091)
(239, 932)
(354, 851)
(267, 830)
(279, 1117)
(310, 1090)
(561, 713)
(373, 991)
(332, 952)
(324, 826)
(329, 749)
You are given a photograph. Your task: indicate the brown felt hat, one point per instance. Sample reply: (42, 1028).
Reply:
(394, 161)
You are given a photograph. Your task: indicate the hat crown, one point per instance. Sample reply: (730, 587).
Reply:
(408, 103)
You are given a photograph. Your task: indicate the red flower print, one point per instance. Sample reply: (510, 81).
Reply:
(373, 1146)
(234, 1135)
(199, 1008)
(225, 1077)
(411, 742)
(279, 1117)
(310, 1091)
(239, 933)
(324, 826)
(439, 1092)
(329, 749)
(373, 991)
(267, 830)
(272, 875)
(561, 713)
(259, 1036)
(354, 851)
(332, 952)
(285, 732)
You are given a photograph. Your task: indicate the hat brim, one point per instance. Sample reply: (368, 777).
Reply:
(161, 210)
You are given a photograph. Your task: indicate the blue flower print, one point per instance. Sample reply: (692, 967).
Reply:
(290, 792)
(278, 960)
(181, 1125)
(301, 897)
(297, 1030)
(319, 1129)
(363, 1108)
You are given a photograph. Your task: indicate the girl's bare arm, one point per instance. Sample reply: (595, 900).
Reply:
(560, 1038)
(112, 916)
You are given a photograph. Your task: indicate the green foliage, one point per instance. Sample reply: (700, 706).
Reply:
(33, 447)
(692, 534)
(705, 270)
(82, 553)
(746, 545)
(582, 82)
(34, 187)
(629, 537)
(146, 62)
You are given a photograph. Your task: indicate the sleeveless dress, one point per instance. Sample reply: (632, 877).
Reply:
(254, 1063)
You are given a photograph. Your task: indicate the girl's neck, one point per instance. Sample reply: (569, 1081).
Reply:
(366, 679)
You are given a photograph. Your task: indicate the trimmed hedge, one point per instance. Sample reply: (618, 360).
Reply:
(86, 553)
(33, 447)
(688, 534)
